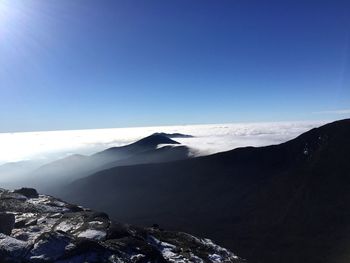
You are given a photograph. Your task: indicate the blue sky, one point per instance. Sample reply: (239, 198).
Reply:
(75, 64)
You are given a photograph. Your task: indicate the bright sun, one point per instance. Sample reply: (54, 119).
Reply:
(5, 6)
(14, 17)
(7, 12)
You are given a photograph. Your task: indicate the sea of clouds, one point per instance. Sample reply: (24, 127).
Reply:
(47, 146)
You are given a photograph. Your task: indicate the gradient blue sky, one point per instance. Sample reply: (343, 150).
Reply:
(74, 64)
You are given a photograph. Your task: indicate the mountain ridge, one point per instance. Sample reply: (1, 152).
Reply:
(77, 166)
(255, 199)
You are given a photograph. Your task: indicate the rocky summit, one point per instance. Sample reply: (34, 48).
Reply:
(41, 228)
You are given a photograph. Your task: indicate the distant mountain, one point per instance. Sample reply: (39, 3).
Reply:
(71, 162)
(38, 228)
(14, 172)
(281, 203)
(163, 154)
(174, 135)
(146, 144)
(151, 149)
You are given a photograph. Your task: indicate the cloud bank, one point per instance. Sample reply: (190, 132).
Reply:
(47, 146)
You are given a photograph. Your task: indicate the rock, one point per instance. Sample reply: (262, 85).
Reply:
(7, 222)
(155, 226)
(27, 192)
(50, 246)
(117, 231)
(50, 230)
(12, 249)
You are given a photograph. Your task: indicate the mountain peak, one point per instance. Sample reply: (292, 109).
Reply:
(174, 135)
(297, 192)
(155, 140)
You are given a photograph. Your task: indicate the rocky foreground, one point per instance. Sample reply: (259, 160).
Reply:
(40, 228)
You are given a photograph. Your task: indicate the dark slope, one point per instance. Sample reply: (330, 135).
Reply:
(66, 170)
(146, 144)
(72, 163)
(282, 203)
(163, 154)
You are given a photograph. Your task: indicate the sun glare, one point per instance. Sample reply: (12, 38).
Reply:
(9, 14)
(8, 9)
(3, 10)
(14, 14)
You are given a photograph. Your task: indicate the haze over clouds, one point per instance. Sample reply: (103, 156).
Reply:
(47, 146)
(340, 112)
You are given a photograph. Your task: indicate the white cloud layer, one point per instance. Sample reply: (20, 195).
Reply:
(208, 139)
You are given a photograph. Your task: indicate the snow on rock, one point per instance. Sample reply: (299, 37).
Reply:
(47, 204)
(93, 234)
(137, 257)
(45, 229)
(215, 258)
(223, 252)
(69, 225)
(169, 251)
(50, 246)
(207, 251)
(11, 247)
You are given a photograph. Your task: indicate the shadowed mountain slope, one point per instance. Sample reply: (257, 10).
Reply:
(280, 203)
(17, 171)
(146, 144)
(147, 150)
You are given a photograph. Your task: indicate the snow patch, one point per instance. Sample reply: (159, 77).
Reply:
(93, 234)
(167, 250)
(69, 225)
(215, 258)
(51, 248)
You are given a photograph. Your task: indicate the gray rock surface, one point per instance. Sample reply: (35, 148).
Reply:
(27, 192)
(46, 229)
(7, 222)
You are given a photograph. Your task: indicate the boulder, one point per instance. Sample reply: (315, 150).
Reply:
(7, 222)
(27, 192)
